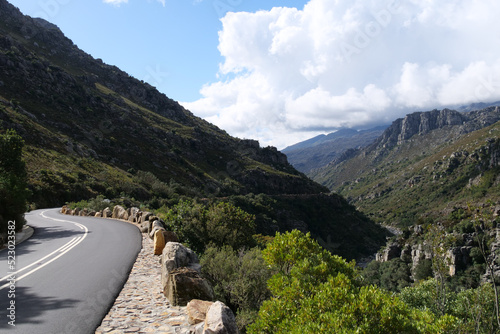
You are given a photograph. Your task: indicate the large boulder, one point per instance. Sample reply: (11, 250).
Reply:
(155, 226)
(107, 213)
(185, 284)
(158, 242)
(145, 216)
(220, 320)
(119, 212)
(176, 255)
(133, 214)
(197, 311)
(146, 227)
(181, 275)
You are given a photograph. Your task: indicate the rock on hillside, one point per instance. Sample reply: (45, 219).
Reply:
(421, 123)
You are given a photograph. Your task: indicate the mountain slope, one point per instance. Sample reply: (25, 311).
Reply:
(423, 166)
(321, 150)
(89, 127)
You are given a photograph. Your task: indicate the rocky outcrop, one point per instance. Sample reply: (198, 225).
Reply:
(220, 320)
(391, 251)
(176, 255)
(133, 214)
(459, 259)
(413, 252)
(181, 275)
(184, 284)
(107, 213)
(197, 310)
(119, 212)
(421, 123)
(211, 318)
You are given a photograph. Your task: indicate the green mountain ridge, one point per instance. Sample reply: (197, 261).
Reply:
(69, 106)
(425, 165)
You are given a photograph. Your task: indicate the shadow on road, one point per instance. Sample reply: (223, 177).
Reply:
(29, 307)
(42, 234)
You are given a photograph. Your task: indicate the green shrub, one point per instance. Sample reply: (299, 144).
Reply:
(423, 269)
(220, 224)
(13, 181)
(317, 292)
(238, 278)
(392, 275)
(474, 307)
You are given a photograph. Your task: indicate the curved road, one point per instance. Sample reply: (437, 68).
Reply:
(68, 273)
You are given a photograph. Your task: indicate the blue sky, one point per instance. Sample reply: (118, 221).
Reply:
(171, 43)
(285, 71)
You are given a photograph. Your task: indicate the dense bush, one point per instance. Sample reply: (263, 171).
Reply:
(238, 278)
(473, 307)
(317, 292)
(220, 224)
(423, 269)
(13, 181)
(392, 275)
(97, 204)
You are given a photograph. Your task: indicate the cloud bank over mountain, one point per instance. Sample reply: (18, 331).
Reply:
(291, 73)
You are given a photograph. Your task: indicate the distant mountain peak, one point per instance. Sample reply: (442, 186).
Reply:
(321, 150)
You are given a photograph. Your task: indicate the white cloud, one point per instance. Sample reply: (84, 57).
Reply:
(290, 73)
(119, 2)
(115, 2)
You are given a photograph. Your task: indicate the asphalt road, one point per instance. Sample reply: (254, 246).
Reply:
(68, 273)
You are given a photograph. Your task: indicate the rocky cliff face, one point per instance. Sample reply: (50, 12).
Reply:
(421, 123)
(421, 166)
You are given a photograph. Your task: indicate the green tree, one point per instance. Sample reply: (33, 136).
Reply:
(392, 275)
(440, 242)
(473, 307)
(13, 181)
(186, 220)
(314, 291)
(220, 224)
(227, 224)
(483, 221)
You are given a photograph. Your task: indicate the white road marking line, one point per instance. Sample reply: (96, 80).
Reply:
(75, 240)
(63, 250)
(43, 258)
